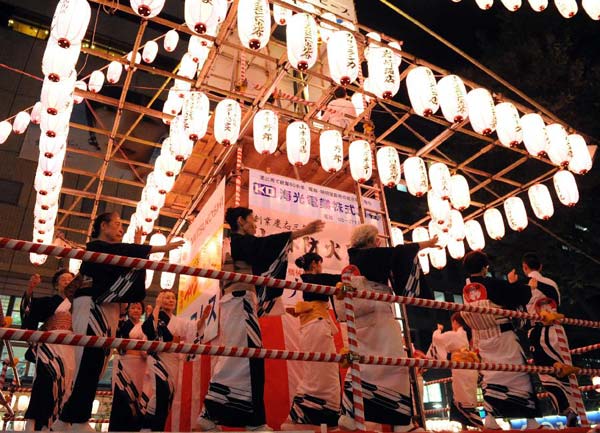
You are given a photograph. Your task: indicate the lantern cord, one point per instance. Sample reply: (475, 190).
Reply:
(472, 60)
(87, 56)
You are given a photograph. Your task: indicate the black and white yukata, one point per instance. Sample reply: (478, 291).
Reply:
(505, 394)
(129, 369)
(317, 398)
(160, 380)
(386, 389)
(543, 341)
(463, 407)
(236, 389)
(54, 363)
(96, 312)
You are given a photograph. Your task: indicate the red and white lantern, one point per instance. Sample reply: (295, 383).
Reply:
(360, 158)
(581, 160)
(150, 51)
(36, 113)
(55, 125)
(171, 40)
(535, 137)
(438, 258)
(81, 85)
(460, 195)
(51, 146)
(567, 8)
(152, 195)
(592, 7)
(198, 50)
(457, 225)
(453, 98)
(516, 215)
(58, 63)
(147, 8)
(281, 15)
(384, 74)
(512, 5)
(21, 122)
(420, 234)
(541, 202)
(397, 236)
(484, 4)
(298, 143)
(46, 185)
(113, 73)
(302, 41)
(228, 117)
(439, 179)
(342, 56)
(566, 188)
(456, 249)
(51, 165)
(415, 173)
(388, 166)
(422, 91)
(494, 223)
(195, 113)
(538, 5)
(439, 209)
(203, 15)
(96, 81)
(331, 150)
(57, 97)
(167, 164)
(70, 22)
(508, 125)
(266, 132)
(482, 113)
(559, 151)
(181, 147)
(163, 182)
(474, 235)
(5, 130)
(254, 23)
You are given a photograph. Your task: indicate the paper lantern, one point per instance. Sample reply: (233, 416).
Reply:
(360, 100)
(150, 51)
(516, 216)
(167, 279)
(36, 113)
(157, 239)
(167, 164)
(420, 234)
(46, 185)
(436, 229)
(559, 151)
(57, 97)
(298, 143)
(266, 132)
(581, 160)
(151, 194)
(202, 15)
(397, 236)
(331, 150)
(145, 212)
(81, 85)
(21, 122)
(592, 7)
(508, 125)
(147, 8)
(49, 199)
(494, 223)
(281, 15)
(137, 61)
(170, 41)
(37, 259)
(566, 188)
(302, 41)
(55, 125)
(198, 49)
(456, 249)
(254, 23)
(484, 4)
(424, 263)
(181, 147)
(113, 73)
(422, 91)
(439, 209)
(5, 130)
(384, 74)
(172, 107)
(457, 225)
(51, 146)
(360, 158)
(453, 98)
(195, 114)
(438, 259)
(460, 195)
(535, 137)
(51, 165)
(388, 166)
(541, 202)
(415, 173)
(439, 179)
(474, 235)
(538, 5)
(74, 265)
(482, 113)
(96, 81)
(228, 117)
(512, 5)
(567, 8)
(58, 63)
(342, 57)
(46, 214)
(70, 22)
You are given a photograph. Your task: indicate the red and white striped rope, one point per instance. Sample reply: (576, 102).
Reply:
(238, 176)
(586, 349)
(441, 410)
(443, 380)
(22, 389)
(3, 373)
(137, 263)
(357, 390)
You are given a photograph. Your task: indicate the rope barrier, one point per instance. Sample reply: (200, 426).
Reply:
(355, 379)
(443, 380)
(137, 263)
(22, 389)
(581, 350)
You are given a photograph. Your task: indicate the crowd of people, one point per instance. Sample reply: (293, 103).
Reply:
(105, 300)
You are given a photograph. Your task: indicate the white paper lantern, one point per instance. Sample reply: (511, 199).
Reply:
(541, 202)
(592, 7)
(147, 8)
(202, 15)
(145, 212)
(254, 23)
(457, 226)
(58, 63)
(566, 188)
(170, 41)
(137, 61)
(494, 223)
(453, 98)
(436, 229)
(21, 122)
(484, 4)
(37, 259)
(150, 51)
(342, 57)
(36, 113)
(157, 239)
(415, 173)
(195, 113)
(46, 185)
(51, 165)
(512, 5)
(384, 74)
(360, 158)
(81, 85)
(360, 100)
(49, 199)
(5, 130)
(166, 163)
(535, 137)
(420, 234)
(51, 146)
(47, 214)
(456, 249)
(508, 125)
(298, 143)
(266, 132)
(74, 265)
(188, 67)
(581, 160)
(302, 41)
(424, 263)
(228, 117)
(167, 280)
(397, 236)
(559, 151)
(422, 91)
(567, 8)
(96, 81)
(55, 125)
(198, 49)
(70, 22)
(181, 146)
(388, 166)
(474, 235)
(438, 259)
(439, 179)
(516, 215)
(331, 150)
(152, 195)
(439, 209)
(172, 107)
(113, 73)
(482, 113)
(460, 195)
(57, 97)
(538, 5)
(281, 15)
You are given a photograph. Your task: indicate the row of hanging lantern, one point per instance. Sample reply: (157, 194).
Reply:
(567, 8)
(53, 112)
